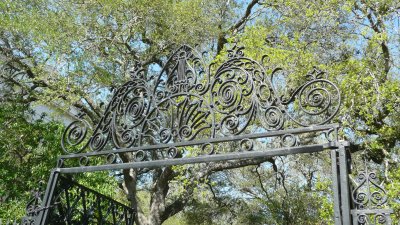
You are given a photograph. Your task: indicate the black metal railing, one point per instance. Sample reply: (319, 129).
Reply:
(73, 204)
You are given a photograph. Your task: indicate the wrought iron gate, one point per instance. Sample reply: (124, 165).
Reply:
(190, 103)
(69, 203)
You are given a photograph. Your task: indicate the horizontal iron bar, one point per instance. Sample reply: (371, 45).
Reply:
(204, 159)
(371, 211)
(210, 140)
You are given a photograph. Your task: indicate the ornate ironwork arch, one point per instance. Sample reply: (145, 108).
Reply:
(190, 102)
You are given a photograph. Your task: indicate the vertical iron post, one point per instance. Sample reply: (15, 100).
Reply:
(344, 186)
(41, 219)
(336, 188)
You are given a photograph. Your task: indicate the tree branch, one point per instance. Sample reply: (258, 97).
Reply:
(378, 27)
(245, 16)
(220, 166)
(235, 27)
(173, 209)
(179, 204)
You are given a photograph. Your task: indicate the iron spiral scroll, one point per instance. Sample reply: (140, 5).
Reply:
(370, 200)
(190, 101)
(369, 193)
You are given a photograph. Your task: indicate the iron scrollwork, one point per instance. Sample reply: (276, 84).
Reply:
(190, 100)
(369, 199)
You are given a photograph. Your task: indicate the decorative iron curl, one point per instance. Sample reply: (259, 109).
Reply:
(316, 96)
(75, 137)
(380, 218)
(273, 118)
(368, 193)
(140, 156)
(236, 51)
(173, 152)
(208, 148)
(362, 219)
(288, 140)
(331, 135)
(246, 145)
(318, 102)
(34, 205)
(138, 72)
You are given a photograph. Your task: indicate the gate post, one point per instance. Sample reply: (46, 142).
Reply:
(340, 184)
(335, 188)
(44, 210)
(344, 185)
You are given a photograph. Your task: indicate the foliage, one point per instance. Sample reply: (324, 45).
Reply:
(62, 53)
(29, 146)
(29, 150)
(394, 191)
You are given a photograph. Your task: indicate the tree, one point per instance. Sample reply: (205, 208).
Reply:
(86, 45)
(77, 52)
(28, 149)
(356, 42)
